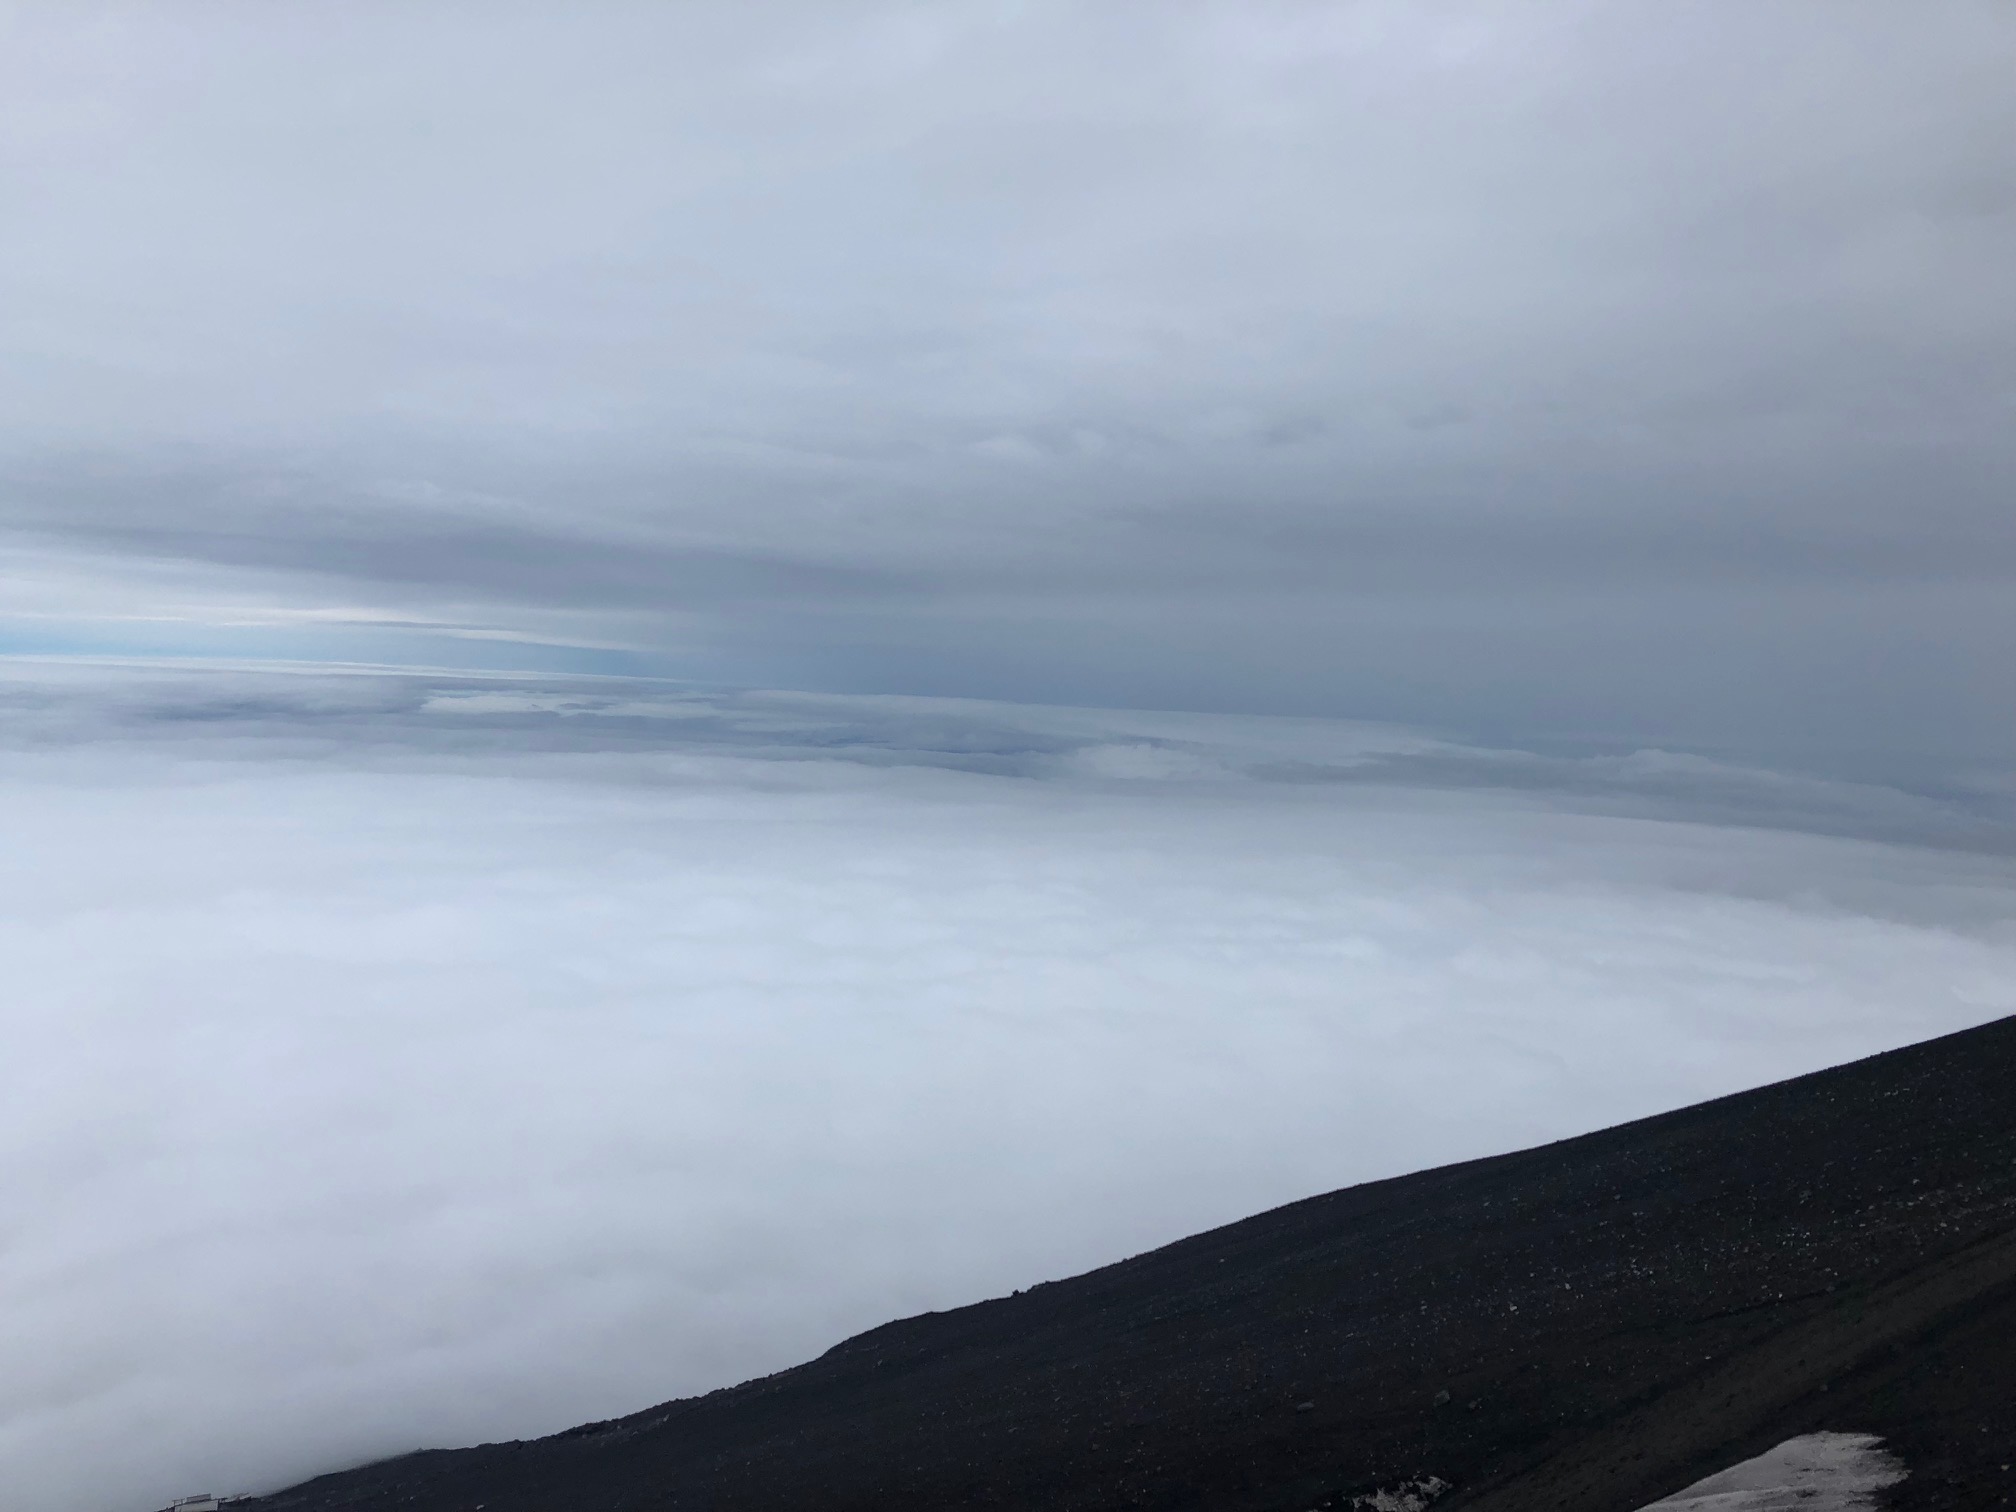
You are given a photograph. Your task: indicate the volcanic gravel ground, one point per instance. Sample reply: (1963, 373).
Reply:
(1589, 1325)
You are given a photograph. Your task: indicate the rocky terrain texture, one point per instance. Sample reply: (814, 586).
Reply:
(1593, 1324)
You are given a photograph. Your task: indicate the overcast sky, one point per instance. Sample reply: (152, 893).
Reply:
(1585, 431)
(1611, 371)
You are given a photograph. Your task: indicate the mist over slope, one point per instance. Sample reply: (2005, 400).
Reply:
(1824, 1263)
(409, 1059)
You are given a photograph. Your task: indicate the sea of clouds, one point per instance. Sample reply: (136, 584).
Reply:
(395, 1059)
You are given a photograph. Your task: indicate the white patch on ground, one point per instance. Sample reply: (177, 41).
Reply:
(1409, 1496)
(1819, 1472)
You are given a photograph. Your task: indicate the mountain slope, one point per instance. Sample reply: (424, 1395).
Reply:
(1591, 1324)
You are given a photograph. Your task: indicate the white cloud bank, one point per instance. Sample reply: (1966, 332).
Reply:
(396, 1062)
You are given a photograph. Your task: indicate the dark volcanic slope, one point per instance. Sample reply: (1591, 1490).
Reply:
(1588, 1325)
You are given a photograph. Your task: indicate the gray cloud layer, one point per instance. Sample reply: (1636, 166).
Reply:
(1619, 368)
(431, 1058)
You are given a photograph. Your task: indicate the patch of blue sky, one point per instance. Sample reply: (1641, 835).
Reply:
(399, 645)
